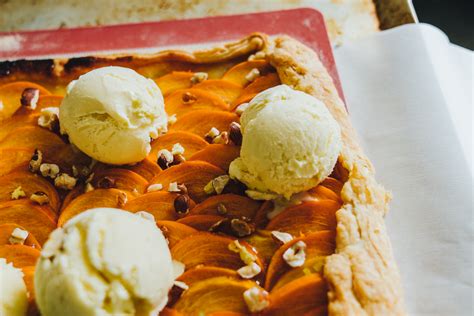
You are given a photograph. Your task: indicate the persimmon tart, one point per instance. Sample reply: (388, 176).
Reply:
(326, 255)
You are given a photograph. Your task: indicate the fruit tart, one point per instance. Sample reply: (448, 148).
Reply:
(226, 181)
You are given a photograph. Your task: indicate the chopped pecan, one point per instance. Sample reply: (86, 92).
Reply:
(40, 197)
(36, 160)
(65, 181)
(181, 204)
(235, 134)
(29, 98)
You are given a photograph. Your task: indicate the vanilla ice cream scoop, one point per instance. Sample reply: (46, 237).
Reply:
(13, 294)
(290, 143)
(111, 113)
(104, 262)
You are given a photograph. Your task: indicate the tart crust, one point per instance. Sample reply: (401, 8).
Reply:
(362, 275)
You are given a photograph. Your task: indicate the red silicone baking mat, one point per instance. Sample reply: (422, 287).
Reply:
(306, 25)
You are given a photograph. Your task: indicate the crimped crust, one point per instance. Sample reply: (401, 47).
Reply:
(362, 275)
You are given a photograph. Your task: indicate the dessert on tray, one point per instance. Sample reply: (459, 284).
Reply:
(244, 157)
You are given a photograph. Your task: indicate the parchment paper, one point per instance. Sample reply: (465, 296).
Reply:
(409, 93)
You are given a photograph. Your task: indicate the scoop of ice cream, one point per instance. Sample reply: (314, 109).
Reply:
(111, 113)
(13, 295)
(104, 262)
(290, 143)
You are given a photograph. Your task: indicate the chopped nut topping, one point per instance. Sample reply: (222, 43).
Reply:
(181, 285)
(75, 172)
(89, 187)
(235, 134)
(241, 227)
(234, 227)
(173, 187)
(220, 182)
(54, 243)
(90, 177)
(181, 204)
(182, 188)
(17, 193)
(154, 187)
(295, 256)
(249, 271)
(18, 236)
(29, 98)
(257, 55)
(177, 159)
(122, 199)
(146, 215)
(165, 159)
(222, 138)
(65, 181)
(241, 108)
(257, 299)
(199, 77)
(40, 197)
(172, 119)
(257, 195)
(36, 160)
(252, 75)
(106, 183)
(281, 237)
(188, 98)
(217, 185)
(245, 255)
(177, 149)
(213, 133)
(221, 209)
(49, 118)
(49, 170)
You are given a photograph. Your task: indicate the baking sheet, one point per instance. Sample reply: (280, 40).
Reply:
(409, 93)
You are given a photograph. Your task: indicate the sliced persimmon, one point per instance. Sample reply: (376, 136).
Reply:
(226, 313)
(244, 98)
(201, 121)
(19, 255)
(298, 297)
(333, 184)
(261, 218)
(201, 222)
(239, 72)
(218, 155)
(146, 168)
(175, 232)
(119, 178)
(190, 142)
(71, 195)
(14, 158)
(260, 84)
(160, 204)
(264, 243)
(210, 250)
(321, 193)
(44, 101)
(30, 183)
(33, 137)
(170, 312)
(226, 90)
(96, 198)
(202, 273)
(318, 246)
(10, 96)
(306, 217)
(184, 101)
(214, 295)
(6, 231)
(174, 81)
(15, 122)
(39, 221)
(194, 174)
(234, 205)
